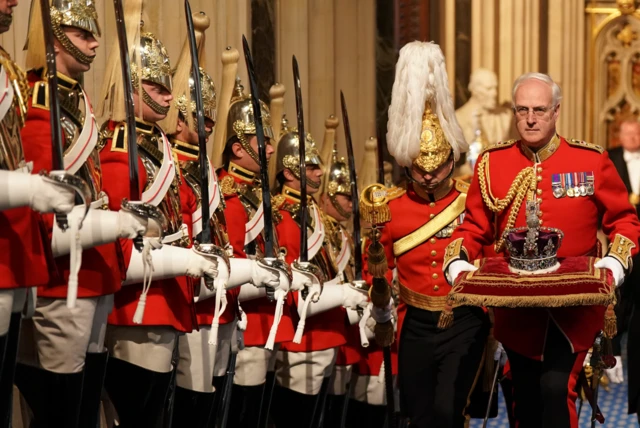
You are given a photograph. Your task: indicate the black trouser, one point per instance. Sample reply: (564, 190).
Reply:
(544, 391)
(437, 368)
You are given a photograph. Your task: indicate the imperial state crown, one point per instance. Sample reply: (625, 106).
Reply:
(533, 249)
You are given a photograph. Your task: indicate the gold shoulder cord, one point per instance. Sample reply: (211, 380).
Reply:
(523, 185)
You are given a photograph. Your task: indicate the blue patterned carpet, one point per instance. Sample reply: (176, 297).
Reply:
(613, 404)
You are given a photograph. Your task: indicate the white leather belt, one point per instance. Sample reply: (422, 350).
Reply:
(184, 231)
(102, 203)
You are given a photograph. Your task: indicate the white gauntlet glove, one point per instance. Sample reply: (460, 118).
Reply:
(353, 298)
(614, 266)
(19, 189)
(616, 374)
(303, 279)
(457, 267)
(99, 227)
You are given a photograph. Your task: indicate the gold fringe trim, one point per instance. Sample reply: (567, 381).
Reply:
(384, 333)
(532, 302)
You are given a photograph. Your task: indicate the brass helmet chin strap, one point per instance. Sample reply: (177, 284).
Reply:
(80, 14)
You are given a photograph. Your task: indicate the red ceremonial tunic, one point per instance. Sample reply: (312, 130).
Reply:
(324, 331)
(169, 301)
(524, 330)
(260, 312)
(102, 268)
(205, 309)
(24, 261)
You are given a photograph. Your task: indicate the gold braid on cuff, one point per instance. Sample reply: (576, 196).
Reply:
(621, 250)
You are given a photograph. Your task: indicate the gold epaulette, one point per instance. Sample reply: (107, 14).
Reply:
(374, 202)
(228, 186)
(497, 146)
(278, 201)
(462, 186)
(583, 144)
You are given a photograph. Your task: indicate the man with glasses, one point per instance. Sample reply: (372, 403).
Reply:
(578, 190)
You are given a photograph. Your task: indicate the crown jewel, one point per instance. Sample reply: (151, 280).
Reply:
(533, 249)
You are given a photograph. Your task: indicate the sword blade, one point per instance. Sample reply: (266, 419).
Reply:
(52, 77)
(357, 250)
(205, 234)
(132, 147)
(269, 249)
(380, 160)
(302, 138)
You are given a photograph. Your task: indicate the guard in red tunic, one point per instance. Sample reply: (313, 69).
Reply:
(204, 354)
(577, 190)
(266, 323)
(23, 259)
(156, 301)
(437, 368)
(62, 358)
(304, 365)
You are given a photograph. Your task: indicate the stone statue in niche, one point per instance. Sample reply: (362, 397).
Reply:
(483, 121)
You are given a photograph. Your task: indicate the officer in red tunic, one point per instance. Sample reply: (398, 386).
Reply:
(156, 301)
(23, 261)
(204, 354)
(437, 368)
(304, 365)
(578, 191)
(62, 356)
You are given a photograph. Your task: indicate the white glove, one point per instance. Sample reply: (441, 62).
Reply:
(247, 271)
(19, 189)
(170, 262)
(457, 267)
(131, 226)
(201, 266)
(99, 227)
(353, 298)
(500, 354)
(382, 315)
(614, 266)
(303, 279)
(616, 374)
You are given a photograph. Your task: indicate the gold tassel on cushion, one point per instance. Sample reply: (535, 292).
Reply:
(610, 323)
(384, 333)
(377, 259)
(446, 316)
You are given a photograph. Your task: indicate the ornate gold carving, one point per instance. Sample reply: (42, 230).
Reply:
(626, 7)
(627, 35)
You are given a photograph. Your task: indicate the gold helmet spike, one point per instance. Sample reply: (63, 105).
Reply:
(367, 172)
(276, 93)
(64, 13)
(241, 122)
(422, 127)
(183, 88)
(149, 61)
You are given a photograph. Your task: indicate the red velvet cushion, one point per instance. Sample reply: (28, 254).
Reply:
(575, 283)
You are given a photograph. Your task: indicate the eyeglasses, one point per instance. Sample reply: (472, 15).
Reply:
(522, 111)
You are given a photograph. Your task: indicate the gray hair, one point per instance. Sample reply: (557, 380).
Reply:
(556, 93)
